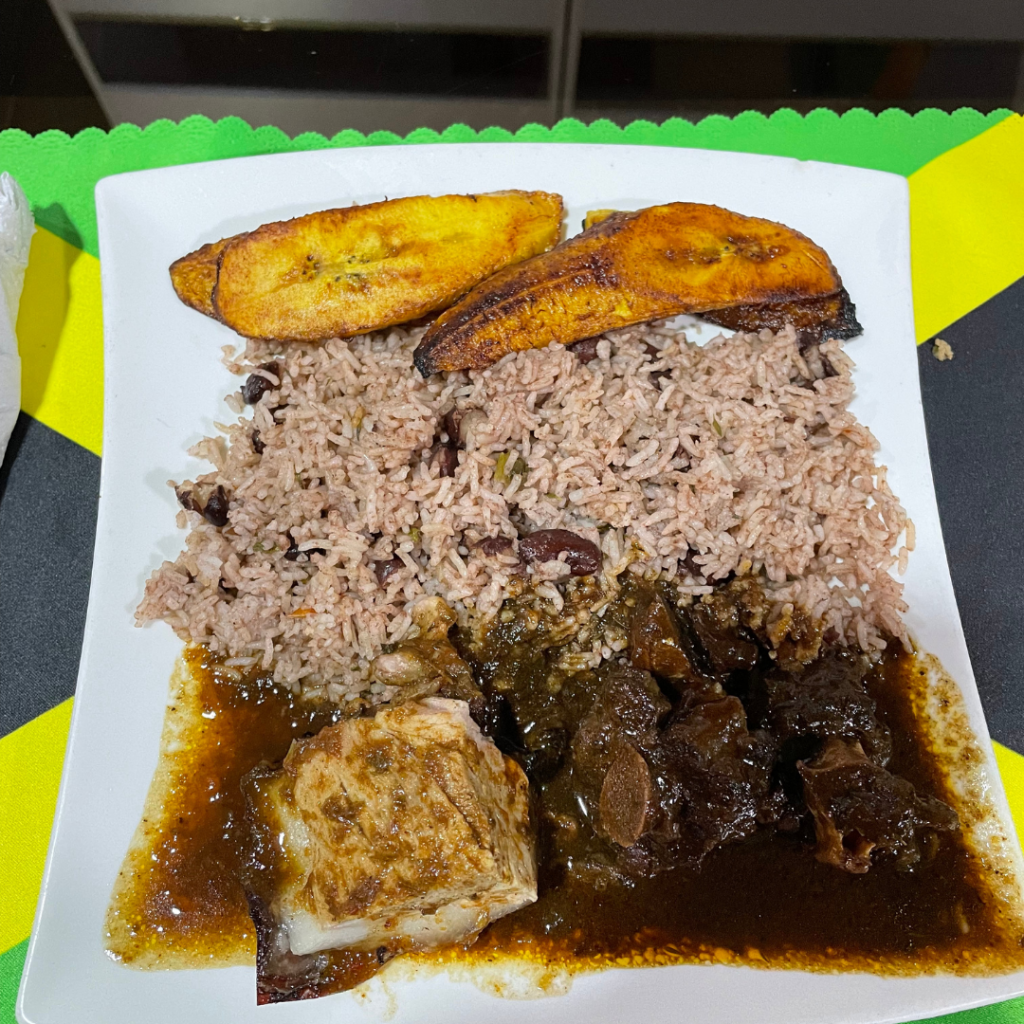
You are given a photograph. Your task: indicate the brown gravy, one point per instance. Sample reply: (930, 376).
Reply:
(177, 901)
(764, 902)
(768, 902)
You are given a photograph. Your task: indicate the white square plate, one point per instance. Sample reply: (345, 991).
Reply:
(164, 390)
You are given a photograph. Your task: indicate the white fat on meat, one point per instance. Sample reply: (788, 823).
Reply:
(407, 830)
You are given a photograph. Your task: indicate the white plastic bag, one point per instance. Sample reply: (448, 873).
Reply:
(16, 227)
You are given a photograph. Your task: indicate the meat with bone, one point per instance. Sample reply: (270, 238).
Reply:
(693, 648)
(612, 741)
(717, 778)
(406, 830)
(859, 808)
(674, 792)
(671, 788)
(826, 698)
(657, 642)
(719, 632)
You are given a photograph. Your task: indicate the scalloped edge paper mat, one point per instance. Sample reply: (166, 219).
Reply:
(59, 172)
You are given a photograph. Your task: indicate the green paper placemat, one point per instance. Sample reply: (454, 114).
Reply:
(59, 173)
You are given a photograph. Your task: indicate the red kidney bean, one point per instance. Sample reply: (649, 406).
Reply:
(451, 421)
(293, 552)
(447, 460)
(585, 350)
(385, 570)
(255, 386)
(494, 545)
(215, 511)
(582, 556)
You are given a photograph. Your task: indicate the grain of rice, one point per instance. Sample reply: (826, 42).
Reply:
(746, 454)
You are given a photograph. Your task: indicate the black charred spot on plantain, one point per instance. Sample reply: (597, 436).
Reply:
(597, 268)
(845, 325)
(439, 348)
(423, 361)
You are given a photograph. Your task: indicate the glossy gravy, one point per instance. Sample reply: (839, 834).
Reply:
(177, 901)
(763, 902)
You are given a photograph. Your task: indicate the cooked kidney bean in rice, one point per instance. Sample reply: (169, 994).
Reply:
(355, 488)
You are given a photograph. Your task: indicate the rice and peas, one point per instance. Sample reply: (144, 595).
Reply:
(681, 461)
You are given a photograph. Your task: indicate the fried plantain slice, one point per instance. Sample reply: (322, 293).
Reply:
(628, 268)
(834, 316)
(596, 216)
(195, 275)
(348, 271)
